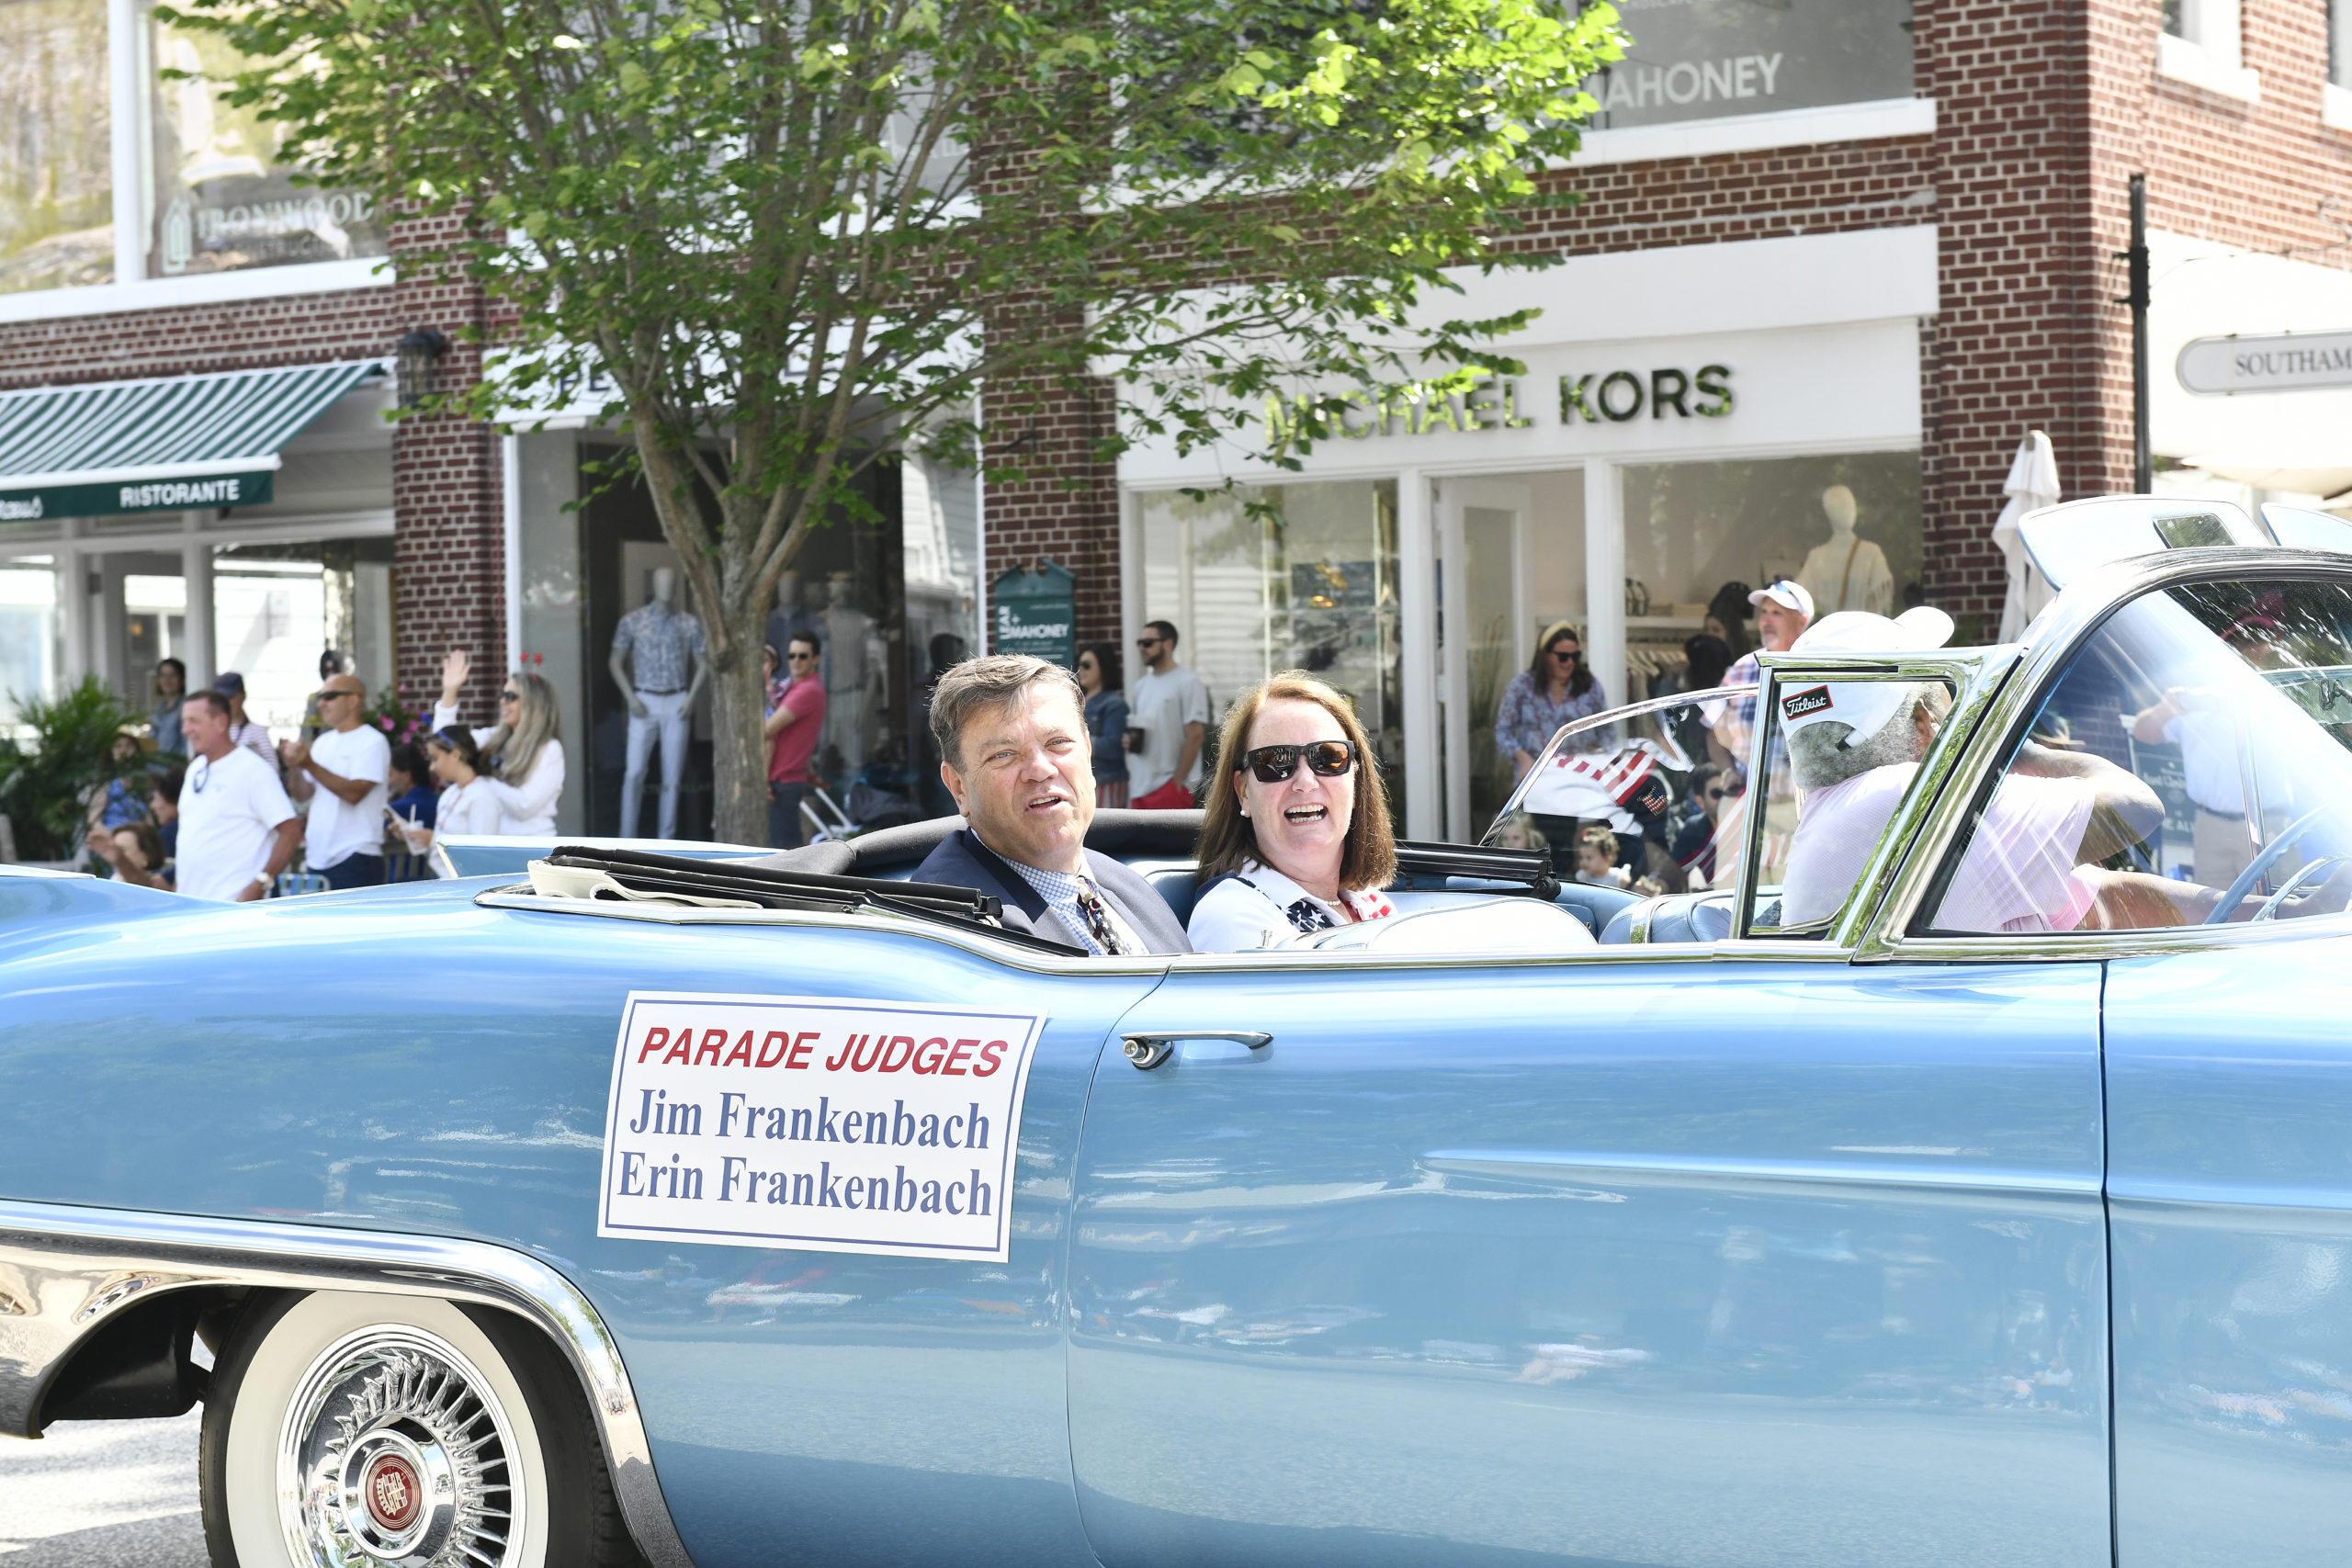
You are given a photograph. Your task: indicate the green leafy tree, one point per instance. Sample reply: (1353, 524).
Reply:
(802, 238)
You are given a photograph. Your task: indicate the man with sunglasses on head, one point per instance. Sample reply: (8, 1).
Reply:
(350, 762)
(1012, 735)
(1170, 706)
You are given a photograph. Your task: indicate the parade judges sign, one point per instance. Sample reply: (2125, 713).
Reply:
(815, 1122)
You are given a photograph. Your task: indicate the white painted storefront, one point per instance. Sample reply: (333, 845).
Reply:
(1681, 414)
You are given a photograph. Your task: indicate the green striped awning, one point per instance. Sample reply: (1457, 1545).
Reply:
(188, 441)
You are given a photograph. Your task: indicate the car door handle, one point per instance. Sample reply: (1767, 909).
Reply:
(1147, 1051)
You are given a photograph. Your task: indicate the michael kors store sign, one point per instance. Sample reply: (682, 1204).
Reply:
(1837, 387)
(1492, 402)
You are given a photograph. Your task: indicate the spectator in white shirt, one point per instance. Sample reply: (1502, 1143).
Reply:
(237, 829)
(466, 805)
(350, 762)
(1171, 706)
(523, 752)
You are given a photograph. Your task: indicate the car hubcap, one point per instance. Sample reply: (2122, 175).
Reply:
(396, 1451)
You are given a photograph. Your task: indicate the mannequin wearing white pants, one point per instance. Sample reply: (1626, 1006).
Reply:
(657, 661)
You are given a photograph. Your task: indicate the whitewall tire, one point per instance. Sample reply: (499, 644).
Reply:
(352, 1430)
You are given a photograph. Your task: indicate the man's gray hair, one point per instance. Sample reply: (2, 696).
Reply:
(1819, 755)
(983, 684)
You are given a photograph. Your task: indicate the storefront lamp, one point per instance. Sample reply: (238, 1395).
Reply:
(418, 352)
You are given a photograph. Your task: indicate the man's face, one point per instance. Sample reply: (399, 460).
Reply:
(1152, 647)
(1027, 784)
(205, 727)
(339, 702)
(1778, 626)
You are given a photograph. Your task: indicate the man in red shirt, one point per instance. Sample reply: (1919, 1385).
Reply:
(796, 719)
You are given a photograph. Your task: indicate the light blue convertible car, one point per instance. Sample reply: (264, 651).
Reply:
(1953, 1166)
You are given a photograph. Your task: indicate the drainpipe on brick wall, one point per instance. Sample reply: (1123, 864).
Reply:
(2143, 470)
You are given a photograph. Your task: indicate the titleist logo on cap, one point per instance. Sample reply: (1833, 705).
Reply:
(1796, 705)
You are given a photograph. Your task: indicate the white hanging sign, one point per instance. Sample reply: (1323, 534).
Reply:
(817, 1122)
(2278, 362)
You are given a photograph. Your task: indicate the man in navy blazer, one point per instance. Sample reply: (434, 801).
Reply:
(1012, 733)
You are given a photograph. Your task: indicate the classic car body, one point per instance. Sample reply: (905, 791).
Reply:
(1874, 1243)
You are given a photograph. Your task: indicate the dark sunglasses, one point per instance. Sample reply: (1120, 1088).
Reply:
(799, 658)
(1148, 642)
(1566, 655)
(510, 696)
(1328, 759)
(326, 697)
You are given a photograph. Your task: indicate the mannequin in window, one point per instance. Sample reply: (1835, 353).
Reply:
(1847, 571)
(658, 661)
(855, 665)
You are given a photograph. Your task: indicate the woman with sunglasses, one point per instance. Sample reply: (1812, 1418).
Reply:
(1297, 840)
(521, 754)
(1556, 688)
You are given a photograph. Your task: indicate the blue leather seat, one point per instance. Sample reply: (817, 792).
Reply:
(1177, 887)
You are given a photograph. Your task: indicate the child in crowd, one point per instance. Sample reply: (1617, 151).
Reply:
(1518, 831)
(1597, 858)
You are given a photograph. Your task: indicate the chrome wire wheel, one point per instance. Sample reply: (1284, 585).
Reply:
(396, 1450)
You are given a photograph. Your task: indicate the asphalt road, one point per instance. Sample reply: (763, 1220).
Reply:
(102, 1494)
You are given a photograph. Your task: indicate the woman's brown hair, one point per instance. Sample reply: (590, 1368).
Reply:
(1539, 668)
(1226, 838)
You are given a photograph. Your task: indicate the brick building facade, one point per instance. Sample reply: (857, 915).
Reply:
(1977, 204)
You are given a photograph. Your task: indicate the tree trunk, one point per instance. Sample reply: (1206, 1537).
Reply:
(738, 753)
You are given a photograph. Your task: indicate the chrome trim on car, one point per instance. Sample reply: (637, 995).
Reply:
(65, 1271)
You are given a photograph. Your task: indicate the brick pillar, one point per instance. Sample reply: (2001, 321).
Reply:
(448, 573)
(2021, 338)
(1068, 506)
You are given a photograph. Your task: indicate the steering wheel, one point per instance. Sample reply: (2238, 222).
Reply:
(2269, 909)
(2262, 861)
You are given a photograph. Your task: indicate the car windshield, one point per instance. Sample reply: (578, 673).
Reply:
(2191, 765)
(1647, 797)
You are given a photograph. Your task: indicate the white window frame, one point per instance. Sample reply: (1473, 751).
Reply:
(2209, 50)
(129, 72)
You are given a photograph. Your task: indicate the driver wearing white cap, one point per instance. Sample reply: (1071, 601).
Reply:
(1854, 748)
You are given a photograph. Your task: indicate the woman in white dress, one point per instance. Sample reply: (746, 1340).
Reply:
(521, 754)
(1297, 840)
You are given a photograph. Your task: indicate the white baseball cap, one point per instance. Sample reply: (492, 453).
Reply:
(1867, 705)
(1787, 594)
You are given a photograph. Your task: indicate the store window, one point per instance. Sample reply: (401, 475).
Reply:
(28, 634)
(1706, 59)
(56, 159)
(1847, 527)
(269, 609)
(1293, 577)
(222, 200)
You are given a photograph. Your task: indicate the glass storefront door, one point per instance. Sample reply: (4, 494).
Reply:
(1289, 577)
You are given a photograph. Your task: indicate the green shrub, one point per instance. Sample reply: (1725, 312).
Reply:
(63, 748)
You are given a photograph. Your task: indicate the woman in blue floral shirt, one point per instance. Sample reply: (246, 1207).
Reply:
(1554, 689)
